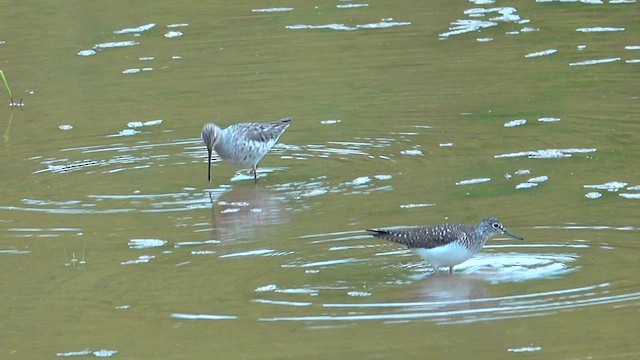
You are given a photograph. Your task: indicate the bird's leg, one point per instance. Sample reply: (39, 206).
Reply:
(450, 269)
(255, 173)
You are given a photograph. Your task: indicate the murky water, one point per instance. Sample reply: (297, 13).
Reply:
(114, 244)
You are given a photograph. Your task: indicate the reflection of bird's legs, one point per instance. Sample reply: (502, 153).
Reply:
(215, 221)
(450, 269)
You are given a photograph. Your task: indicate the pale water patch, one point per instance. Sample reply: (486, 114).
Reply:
(547, 153)
(600, 29)
(14, 252)
(413, 206)
(142, 259)
(548, 119)
(102, 353)
(146, 243)
(173, 34)
(351, 6)
(136, 70)
(595, 61)
(258, 252)
(201, 252)
(532, 182)
(116, 44)
(612, 186)
(361, 181)
(593, 195)
(272, 10)
(526, 185)
(589, 227)
(473, 181)
(276, 289)
(137, 124)
(630, 196)
(541, 53)
(125, 132)
(321, 264)
(89, 52)
(315, 187)
(107, 45)
(496, 16)
(137, 29)
(342, 27)
(45, 232)
(247, 174)
(185, 316)
(286, 303)
(517, 266)
(525, 349)
(514, 123)
(412, 152)
(330, 122)
(538, 179)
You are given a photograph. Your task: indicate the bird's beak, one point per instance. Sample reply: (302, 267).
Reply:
(209, 165)
(208, 133)
(513, 235)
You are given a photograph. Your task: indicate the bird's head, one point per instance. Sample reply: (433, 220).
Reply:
(492, 226)
(210, 136)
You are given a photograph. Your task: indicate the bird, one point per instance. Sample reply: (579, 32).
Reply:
(243, 144)
(445, 244)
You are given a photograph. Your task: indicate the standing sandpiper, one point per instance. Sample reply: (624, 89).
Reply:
(243, 144)
(445, 244)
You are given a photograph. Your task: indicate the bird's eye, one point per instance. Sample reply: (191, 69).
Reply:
(496, 225)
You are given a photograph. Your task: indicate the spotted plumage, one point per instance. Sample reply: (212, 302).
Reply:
(243, 144)
(445, 244)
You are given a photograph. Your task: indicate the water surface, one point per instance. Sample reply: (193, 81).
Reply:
(114, 244)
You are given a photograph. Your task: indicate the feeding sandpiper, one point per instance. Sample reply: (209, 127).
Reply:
(243, 144)
(445, 244)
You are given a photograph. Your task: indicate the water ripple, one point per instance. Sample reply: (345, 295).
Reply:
(547, 153)
(595, 61)
(473, 310)
(499, 15)
(272, 10)
(185, 316)
(385, 23)
(466, 296)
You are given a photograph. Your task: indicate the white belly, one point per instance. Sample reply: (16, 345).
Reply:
(447, 255)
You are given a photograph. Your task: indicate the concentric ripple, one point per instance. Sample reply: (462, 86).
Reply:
(407, 289)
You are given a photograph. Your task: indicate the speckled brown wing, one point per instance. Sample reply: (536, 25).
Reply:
(424, 237)
(267, 132)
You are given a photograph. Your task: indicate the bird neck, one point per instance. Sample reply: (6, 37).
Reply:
(482, 234)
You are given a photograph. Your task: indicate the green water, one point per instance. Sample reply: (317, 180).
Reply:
(390, 113)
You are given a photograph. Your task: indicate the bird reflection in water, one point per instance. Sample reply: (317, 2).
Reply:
(449, 291)
(238, 213)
